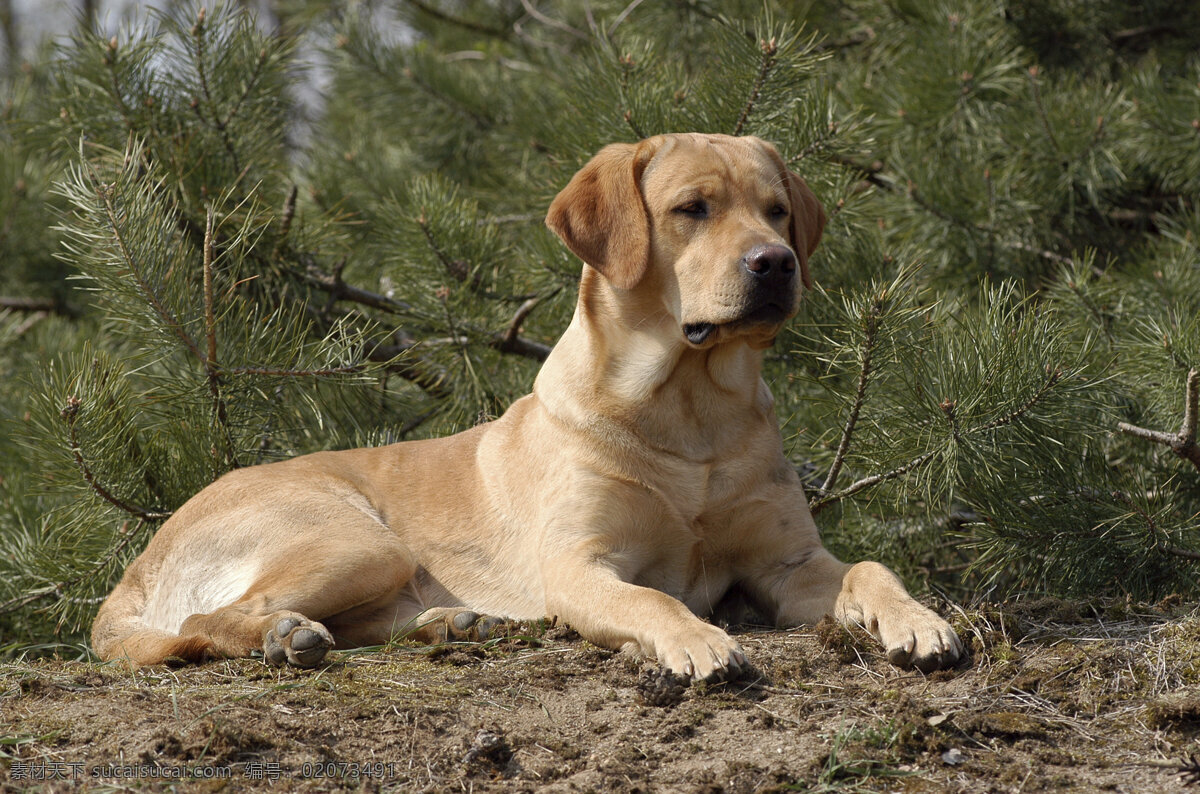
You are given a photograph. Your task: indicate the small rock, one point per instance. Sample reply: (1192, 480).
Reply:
(490, 748)
(954, 757)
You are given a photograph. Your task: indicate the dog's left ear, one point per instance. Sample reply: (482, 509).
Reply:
(601, 216)
(808, 216)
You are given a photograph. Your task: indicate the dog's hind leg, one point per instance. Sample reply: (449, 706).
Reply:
(303, 571)
(356, 579)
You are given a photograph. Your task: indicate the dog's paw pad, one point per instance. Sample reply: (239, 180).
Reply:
(464, 620)
(296, 641)
(472, 627)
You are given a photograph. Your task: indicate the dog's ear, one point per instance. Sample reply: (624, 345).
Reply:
(601, 216)
(808, 216)
(808, 222)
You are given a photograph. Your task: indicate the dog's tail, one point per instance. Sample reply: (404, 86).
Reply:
(119, 631)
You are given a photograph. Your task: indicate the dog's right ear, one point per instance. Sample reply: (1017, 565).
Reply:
(601, 216)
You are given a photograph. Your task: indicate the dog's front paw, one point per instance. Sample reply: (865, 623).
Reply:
(701, 652)
(295, 640)
(917, 637)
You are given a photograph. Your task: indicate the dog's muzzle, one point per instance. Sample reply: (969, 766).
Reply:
(771, 270)
(770, 297)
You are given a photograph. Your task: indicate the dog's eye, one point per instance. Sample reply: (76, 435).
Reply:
(696, 209)
(778, 211)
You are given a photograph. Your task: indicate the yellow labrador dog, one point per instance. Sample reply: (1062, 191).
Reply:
(641, 481)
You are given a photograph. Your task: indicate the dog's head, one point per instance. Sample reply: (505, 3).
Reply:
(716, 225)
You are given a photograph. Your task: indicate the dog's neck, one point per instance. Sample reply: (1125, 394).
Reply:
(626, 360)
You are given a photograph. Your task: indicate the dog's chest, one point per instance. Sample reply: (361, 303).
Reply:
(698, 560)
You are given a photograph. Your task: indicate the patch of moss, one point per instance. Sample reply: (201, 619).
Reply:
(1176, 711)
(1005, 725)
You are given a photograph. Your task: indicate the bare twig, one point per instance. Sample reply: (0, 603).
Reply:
(1182, 443)
(32, 305)
(621, 17)
(521, 347)
(28, 323)
(510, 340)
(340, 290)
(264, 55)
(285, 222)
(523, 312)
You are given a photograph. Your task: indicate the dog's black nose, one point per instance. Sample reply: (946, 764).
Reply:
(774, 263)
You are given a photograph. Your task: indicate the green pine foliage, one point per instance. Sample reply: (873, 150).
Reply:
(225, 245)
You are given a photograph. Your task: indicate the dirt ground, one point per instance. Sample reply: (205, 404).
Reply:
(1056, 697)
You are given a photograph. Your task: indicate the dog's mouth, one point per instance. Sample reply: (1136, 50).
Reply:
(766, 314)
(770, 313)
(698, 333)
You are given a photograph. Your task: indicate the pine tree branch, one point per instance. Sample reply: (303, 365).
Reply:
(626, 64)
(110, 60)
(69, 415)
(1041, 109)
(13, 604)
(398, 360)
(1053, 375)
(1154, 530)
(553, 23)
(264, 55)
(482, 123)
(866, 351)
(152, 298)
(466, 24)
(818, 504)
(829, 134)
(1182, 443)
(455, 268)
(212, 367)
(269, 372)
(221, 127)
(58, 588)
(769, 50)
(418, 420)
